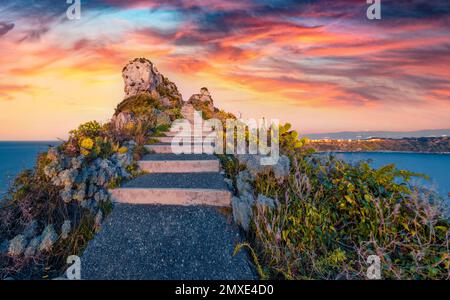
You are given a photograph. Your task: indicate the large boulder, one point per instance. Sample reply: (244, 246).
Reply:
(141, 76)
(203, 99)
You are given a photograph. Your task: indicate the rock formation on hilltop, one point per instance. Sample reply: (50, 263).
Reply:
(141, 76)
(148, 95)
(202, 99)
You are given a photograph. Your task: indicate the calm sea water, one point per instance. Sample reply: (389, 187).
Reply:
(17, 156)
(436, 166)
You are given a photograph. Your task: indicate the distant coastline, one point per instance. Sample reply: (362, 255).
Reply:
(384, 151)
(362, 135)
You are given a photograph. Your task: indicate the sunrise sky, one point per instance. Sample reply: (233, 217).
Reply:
(321, 65)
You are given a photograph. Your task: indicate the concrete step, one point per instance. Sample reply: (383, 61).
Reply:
(159, 148)
(168, 139)
(172, 163)
(176, 133)
(175, 189)
(165, 139)
(166, 148)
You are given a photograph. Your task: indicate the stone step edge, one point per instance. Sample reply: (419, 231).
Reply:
(176, 133)
(169, 139)
(172, 196)
(168, 147)
(180, 166)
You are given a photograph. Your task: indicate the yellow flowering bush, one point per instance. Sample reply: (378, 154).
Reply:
(89, 129)
(87, 143)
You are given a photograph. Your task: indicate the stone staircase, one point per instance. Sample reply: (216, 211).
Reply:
(176, 179)
(183, 235)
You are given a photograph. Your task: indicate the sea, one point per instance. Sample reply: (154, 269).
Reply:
(18, 156)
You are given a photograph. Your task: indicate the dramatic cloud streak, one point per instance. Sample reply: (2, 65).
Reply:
(315, 63)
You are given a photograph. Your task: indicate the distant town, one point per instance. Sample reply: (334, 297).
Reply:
(419, 145)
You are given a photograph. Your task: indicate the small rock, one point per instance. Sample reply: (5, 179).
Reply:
(242, 212)
(253, 163)
(31, 230)
(282, 168)
(17, 245)
(65, 229)
(98, 220)
(48, 238)
(243, 182)
(265, 201)
(68, 177)
(32, 247)
(80, 194)
(229, 183)
(77, 162)
(66, 195)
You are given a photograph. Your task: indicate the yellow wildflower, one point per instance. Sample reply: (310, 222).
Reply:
(87, 143)
(122, 150)
(84, 152)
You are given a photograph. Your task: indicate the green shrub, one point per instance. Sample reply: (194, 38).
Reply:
(139, 105)
(332, 215)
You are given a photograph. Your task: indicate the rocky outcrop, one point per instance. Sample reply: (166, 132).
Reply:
(203, 99)
(86, 181)
(121, 120)
(81, 180)
(244, 204)
(141, 76)
(253, 163)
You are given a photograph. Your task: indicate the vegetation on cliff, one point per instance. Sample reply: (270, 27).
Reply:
(330, 216)
(326, 217)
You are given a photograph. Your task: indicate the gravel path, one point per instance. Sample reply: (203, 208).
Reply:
(166, 242)
(179, 180)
